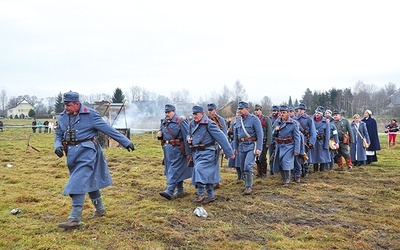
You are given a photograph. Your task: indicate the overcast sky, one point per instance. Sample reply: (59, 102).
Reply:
(274, 48)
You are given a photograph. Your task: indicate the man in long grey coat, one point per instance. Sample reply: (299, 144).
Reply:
(172, 134)
(249, 137)
(204, 138)
(76, 135)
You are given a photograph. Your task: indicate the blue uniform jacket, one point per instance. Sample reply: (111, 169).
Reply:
(306, 124)
(86, 163)
(284, 152)
(253, 127)
(175, 162)
(207, 132)
(320, 152)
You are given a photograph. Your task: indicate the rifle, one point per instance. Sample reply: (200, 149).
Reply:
(222, 160)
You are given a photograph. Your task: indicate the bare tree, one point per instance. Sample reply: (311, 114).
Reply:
(390, 88)
(180, 96)
(239, 94)
(266, 103)
(136, 93)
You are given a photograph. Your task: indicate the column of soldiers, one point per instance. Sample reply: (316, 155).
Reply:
(293, 140)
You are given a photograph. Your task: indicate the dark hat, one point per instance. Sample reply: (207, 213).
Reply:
(169, 107)
(211, 106)
(291, 109)
(302, 106)
(283, 108)
(320, 109)
(71, 97)
(335, 112)
(197, 109)
(329, 117)
(257, 107)
(275, 108)
(243, 104)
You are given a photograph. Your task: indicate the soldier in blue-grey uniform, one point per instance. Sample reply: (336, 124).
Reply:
(333, 135)
(204, 137)
(274, 117)
(288, 139)
(220, 121)
(319, 154)
(299, 159)
(250, 141)
(307, 128)
(172, 134)
(76, 135)
(234, 163)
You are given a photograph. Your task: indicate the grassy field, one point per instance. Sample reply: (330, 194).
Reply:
(329, 210)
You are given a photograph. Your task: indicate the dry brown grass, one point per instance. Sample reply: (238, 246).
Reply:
(330, 210)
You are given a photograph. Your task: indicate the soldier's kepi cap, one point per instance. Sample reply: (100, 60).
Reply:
(320, 109)
(335, 112)
(197, 109)
(275, 108)
(243, 104)
(169, 107)
(283, 108)
(71, 97)
(211, 106)
(258, 107)
(302, 106)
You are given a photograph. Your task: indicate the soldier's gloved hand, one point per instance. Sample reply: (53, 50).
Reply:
(59, 152)
(130, 147)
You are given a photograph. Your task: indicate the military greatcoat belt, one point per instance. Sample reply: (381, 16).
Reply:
(201, 147)
(243, 139)
(173, 142)
(74, 143)
(284, 140)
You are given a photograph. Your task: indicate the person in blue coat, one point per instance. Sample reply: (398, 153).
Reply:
(172, 134)
(307, 127)
(319, 154)
(333, 135)
(249, 137)
(204, 137)
(287, 137)
(271, 150)
(76, 135)
(220, 121)
(299, 160)
(358, 152)
(234, 163)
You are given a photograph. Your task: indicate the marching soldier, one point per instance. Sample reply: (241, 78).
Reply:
(220, 121)
(250, 139)
(299, 159)
(266, 124)
(234, 163)
(319, 154)
(204, 137)
(172, 134)
(307, 128)
(287, 138)
(274, 117)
